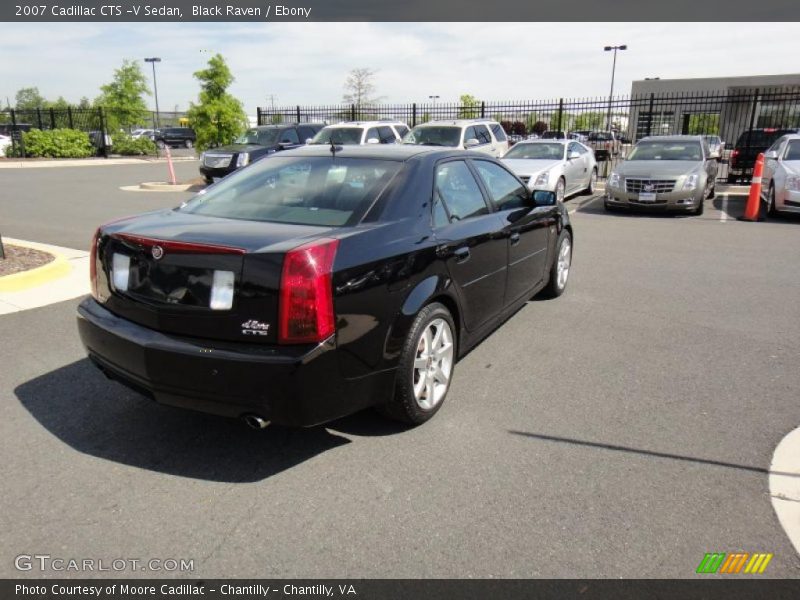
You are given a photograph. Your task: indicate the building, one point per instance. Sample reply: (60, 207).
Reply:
(725, 106)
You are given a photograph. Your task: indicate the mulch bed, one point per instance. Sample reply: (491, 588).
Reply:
(20, 259)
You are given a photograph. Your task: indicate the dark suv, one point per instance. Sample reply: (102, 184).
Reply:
(253, 144)
(749, 145)
(174, 137)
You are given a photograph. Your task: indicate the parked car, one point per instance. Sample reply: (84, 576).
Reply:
(5, 142)
(315, 283)
(481, 135)
(780, 183)
(664, 173)
(7, 129)
(715, 144)
(143, 133)
(564, 167)
(554, 135)
(175, 137)
(604, 143)
(362, 132)
(747, 148)
(252, 145)
(578, 136)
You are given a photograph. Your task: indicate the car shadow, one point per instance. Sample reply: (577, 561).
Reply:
(104, 419)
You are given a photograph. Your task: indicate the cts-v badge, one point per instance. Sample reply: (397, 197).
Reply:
(157, 252)
(253, 327)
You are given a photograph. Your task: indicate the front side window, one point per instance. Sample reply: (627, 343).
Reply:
(372, 134)
(506, 192)
(386, 135)
(792, 150)
(323, 191)
(434, 135)
(401, 130)
(484, 137)
(691, 151)
(262, 137)
(457, 189)
(289, 136)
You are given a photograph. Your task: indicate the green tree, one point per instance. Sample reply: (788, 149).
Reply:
(60, 104)
(218, 118)
(84, 103)
(123, 97)
(704, 124)
(469, 108)
(29, 99)
(590, 121)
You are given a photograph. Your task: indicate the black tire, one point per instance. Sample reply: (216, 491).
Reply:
(404, 406)
(160, 144)
(208, 180)
(188, 143)
(713, 191)
(732, 178)
(771, 210)
(700, 208)
(592, 180)
(553, 289)
(608, 207)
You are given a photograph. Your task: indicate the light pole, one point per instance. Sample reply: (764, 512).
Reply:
(153, 60)
(434, 98)
(613, 71)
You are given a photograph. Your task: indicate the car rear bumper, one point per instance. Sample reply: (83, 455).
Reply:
(677, 201)
(286, 385)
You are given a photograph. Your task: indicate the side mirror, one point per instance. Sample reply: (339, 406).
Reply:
(713, 155)
(543, 198)
(308, 140)
(373, 141)
(573, 155)
(773, 154)
(471, 143)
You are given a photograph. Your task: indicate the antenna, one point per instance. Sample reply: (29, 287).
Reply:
(333, 148)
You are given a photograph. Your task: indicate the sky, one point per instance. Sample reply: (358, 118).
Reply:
(307, 63)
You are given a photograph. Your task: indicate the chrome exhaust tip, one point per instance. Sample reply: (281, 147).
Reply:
(255, 421)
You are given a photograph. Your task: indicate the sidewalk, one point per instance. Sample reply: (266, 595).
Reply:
(64, 278)
(86, 162)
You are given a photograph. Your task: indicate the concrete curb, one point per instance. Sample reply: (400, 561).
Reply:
(87, 162)
(67, 279)
(784, 485)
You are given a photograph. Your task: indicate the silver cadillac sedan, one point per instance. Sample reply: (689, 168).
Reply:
(561, 166)
(664, 173)
(781, 181)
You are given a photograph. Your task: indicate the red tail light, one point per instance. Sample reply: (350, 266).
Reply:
(93, 264)
(306, 298)
(734, 154)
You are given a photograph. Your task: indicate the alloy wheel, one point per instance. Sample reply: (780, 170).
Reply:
(433, 364)
(564, 262)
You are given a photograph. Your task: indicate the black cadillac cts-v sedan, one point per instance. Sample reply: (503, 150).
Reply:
(316, 283)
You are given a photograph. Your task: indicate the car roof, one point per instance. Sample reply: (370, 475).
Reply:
(364, 123)
(283, 125)
(672, 138)
(545, 141)
(398, 152)
(456, 122)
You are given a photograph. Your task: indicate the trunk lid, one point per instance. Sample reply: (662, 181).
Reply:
(161, 271)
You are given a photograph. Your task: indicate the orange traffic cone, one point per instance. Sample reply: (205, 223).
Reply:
(752, 211)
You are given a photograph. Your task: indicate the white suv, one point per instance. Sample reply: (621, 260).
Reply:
(482, 135)
(361, 132)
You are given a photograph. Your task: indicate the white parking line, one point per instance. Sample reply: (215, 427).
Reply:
(724, 210)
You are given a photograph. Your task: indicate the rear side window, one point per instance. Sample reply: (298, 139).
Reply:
(457, 189)
(401, 130)
(386, 135)
(498, 132)
(306, 133)
(323, 191)
(506, 192)
(484, 137)
(290, 136)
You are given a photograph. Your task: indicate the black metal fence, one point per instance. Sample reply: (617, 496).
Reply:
(728, 114)
(101, 124)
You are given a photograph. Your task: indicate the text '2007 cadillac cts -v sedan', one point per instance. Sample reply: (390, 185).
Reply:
(315, 284)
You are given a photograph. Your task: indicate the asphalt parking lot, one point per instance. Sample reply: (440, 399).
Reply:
(623, 430)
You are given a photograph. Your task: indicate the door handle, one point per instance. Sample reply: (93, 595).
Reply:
(514, 238)
(462, 254)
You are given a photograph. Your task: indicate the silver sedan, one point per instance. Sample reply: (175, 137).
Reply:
(561, 166)
(781, 179)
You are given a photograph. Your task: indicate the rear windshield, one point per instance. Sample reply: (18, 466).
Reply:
(761, 137)
(667, 151)
(339, 135)
(553, 135)
(434, 135)
(537, 151)
(324, 191)
(600, 136)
